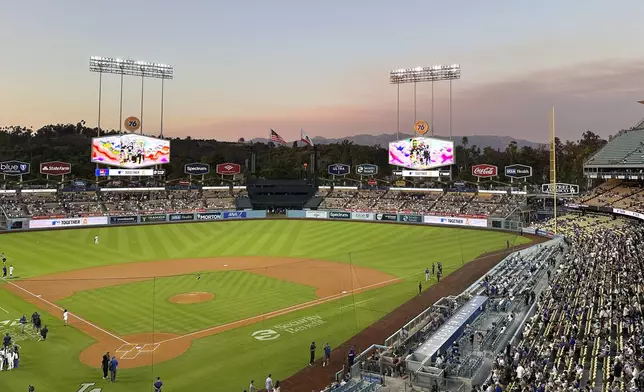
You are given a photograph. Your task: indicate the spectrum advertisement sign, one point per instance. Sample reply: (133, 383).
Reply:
(71, 222)
(454, 221)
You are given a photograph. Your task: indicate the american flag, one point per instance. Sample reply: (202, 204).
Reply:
(277, 138)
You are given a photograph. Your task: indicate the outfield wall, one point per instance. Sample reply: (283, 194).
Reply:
(468, 221)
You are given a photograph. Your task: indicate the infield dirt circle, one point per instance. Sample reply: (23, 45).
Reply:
(332, 281)
(191, 298)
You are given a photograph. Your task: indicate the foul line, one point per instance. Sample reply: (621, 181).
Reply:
(357, 303)
(5, 310)
(284, 311)
(61, 309)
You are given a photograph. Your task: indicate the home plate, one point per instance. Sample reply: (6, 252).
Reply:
(225, 265)
(344, 291)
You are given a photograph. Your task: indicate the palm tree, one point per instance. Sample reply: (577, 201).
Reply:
(464, 143)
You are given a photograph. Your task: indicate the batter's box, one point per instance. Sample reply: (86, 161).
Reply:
(149, 347)
(131, 354)
(126, 348)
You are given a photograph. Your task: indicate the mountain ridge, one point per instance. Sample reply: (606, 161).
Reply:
(482, 141)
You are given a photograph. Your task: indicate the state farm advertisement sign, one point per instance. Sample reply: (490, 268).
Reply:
(485, 170)
(454, 221)
(228, 169)
(55, 168)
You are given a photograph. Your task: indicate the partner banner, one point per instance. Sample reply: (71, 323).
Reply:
(209, 216)
(454, 221)
(120, 220)
(234, 214)
(153, 218)
(387, 217)
(362, 215)
(70, 222)
(317, 214)
(181, 217)
(410, 218)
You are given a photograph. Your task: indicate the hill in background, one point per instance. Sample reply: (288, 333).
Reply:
(496, 142)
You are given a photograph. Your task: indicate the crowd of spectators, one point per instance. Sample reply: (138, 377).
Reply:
(86, 203)
(615, 193)
(500, 205)
(588, 330)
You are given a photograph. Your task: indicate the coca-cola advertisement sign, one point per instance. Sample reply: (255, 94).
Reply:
(485, 170)
(55, 168)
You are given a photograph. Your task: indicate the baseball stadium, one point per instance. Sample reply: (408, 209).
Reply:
(134, 262)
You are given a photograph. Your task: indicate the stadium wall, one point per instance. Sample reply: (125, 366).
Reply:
(465, 221)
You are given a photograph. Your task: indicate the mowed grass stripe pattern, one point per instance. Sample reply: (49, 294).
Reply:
(396, 249)
(238, 295)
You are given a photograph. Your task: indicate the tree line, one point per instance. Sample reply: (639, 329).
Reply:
(71, 143)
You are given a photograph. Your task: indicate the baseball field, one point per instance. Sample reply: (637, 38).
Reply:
(211, 305)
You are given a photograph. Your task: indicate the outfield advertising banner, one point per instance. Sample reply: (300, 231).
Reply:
(339, 215)
(71, 222)
(362, 215)
(410, 218)
(628, 213)
(120, 220)
(234, 214)
(154, 218)
(387, 217)
(317, 214)
(454, 221)
(209, 216)
(181, 217)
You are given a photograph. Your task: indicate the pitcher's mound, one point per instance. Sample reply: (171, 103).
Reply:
(191, 298)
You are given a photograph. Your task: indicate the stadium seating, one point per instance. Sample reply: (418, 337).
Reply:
(587, 331)
(624, 149)
(422, 201)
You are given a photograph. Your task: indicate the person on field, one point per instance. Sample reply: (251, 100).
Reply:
(4, 271)
(95, 240)
(420, 288)
(6, 341)
(427, 274)
(114, 364)
(251, 387)
(269, 383)
(10, 271)
(23, 323)
(38, 323)
(43, 332)
(105, 364)
(312, 350)
(327, 355)
(158, 384)
(65, 316)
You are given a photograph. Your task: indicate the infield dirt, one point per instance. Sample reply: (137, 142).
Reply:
(147, 349)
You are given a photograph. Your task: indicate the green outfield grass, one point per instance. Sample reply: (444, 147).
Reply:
(230, 359)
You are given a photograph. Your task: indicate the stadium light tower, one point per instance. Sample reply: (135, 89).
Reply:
(130, 68)
(431, 74)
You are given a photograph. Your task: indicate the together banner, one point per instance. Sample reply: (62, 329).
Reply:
(71, 222)
(454, 221)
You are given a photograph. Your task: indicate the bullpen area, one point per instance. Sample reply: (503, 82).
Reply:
(212, 304)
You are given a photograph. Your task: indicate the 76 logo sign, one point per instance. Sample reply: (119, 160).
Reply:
(132, 124)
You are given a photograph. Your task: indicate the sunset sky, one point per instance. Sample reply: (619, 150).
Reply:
(243, 67)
